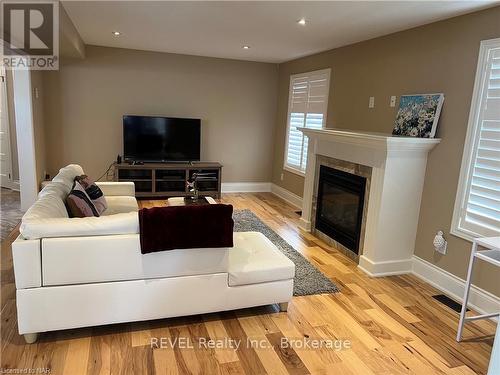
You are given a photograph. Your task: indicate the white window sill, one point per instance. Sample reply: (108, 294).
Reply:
(464, 235)
(469, 235)
(294, 171)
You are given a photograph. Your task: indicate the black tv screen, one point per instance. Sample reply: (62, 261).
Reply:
(161, 139)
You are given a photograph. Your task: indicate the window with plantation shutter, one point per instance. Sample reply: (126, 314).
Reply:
(307, 105)
(477, 208)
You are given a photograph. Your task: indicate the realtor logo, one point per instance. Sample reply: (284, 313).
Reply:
(30, 33)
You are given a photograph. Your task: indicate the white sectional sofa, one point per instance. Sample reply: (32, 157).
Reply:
(77, 272)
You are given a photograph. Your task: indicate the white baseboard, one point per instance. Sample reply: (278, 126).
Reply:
(305, 224)
(287, 196)
(479, 299)
(12, 185)
(262, 187)
(388, 268)
(246, 187)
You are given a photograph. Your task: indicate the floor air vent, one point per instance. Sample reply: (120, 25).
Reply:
(445, 300)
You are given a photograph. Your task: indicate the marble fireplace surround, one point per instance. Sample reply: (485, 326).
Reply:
(395, 188)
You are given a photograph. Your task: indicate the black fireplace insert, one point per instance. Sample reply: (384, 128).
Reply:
(339, 213)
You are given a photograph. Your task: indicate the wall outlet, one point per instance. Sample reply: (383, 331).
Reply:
(282, 176)
(37, 94)
(440, 243)
(442, 249)
(371, 102)
(393, 101)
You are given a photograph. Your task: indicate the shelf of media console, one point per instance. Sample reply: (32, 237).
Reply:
(153, 180)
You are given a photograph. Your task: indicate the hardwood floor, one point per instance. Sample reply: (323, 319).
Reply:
(393, 325)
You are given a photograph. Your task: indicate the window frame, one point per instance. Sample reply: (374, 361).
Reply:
(327, 71)
(470, 147)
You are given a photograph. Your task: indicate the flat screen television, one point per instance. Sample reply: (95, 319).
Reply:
(161, 139)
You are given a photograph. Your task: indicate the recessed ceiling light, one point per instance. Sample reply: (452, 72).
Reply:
(302, 21)
(116, 33)
(246, 47)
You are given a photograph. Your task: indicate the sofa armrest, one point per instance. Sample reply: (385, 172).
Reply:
(124, 223)
(26, 256)
(117, 188)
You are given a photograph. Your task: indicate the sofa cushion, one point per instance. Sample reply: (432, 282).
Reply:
(125, 223)
(58, 189)
(120, 204)
(46, 207)
(255, 259)
(48, 216)
(79, 203)
(26, 255)
(93, 191)
(117, 258)
(122, 188)
(67, 174)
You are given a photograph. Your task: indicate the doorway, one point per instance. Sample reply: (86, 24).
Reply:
(9, 169)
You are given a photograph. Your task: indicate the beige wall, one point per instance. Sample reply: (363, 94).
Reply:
(439, 57)
(236, 100)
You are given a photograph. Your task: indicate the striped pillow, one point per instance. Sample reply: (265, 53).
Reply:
(79, 203)
(94, 192)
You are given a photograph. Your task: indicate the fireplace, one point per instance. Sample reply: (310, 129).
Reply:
(340, 201)
(394, 168)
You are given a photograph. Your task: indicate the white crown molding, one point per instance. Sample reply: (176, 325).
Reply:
(480, 300)
(287, 196)
(246, 187)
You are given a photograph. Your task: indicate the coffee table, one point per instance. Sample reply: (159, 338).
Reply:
(187, 201)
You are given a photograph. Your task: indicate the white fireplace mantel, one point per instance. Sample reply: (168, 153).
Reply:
(398, 170)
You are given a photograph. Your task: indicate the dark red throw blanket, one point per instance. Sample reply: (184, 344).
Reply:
(185, 227)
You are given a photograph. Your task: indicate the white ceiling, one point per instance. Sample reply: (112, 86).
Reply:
(220, 29)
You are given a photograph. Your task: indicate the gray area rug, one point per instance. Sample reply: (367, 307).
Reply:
(11, 214)
(308, 279)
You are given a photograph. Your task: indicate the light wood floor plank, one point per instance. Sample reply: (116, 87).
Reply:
(397, 308)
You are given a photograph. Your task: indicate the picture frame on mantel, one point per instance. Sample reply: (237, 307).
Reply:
(418, 115)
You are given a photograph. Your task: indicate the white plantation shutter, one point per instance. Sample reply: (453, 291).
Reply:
(478, 204)
(307, 105)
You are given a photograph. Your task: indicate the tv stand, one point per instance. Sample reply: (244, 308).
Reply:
(156, 180)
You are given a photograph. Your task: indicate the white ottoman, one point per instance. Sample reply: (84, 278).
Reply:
(255, 259)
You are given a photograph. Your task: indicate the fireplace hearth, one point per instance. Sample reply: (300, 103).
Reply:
(340, 202)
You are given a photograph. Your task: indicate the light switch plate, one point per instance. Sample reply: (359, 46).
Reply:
(371, 102)
(393, 101)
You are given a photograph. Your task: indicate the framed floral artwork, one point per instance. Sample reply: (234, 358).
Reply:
(418, 115)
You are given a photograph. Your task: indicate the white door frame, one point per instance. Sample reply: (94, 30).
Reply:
(6, 174)
(23, 103)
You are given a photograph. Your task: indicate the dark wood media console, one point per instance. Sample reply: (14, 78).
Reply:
(169, 179)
